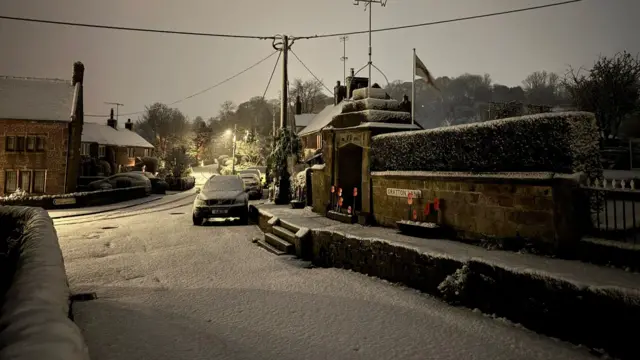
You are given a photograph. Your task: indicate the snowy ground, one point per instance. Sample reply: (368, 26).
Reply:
(169, 290)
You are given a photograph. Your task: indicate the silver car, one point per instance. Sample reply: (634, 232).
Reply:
(222, 196)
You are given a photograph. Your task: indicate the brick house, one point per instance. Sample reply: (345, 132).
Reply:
(40, 127)
(119, 146)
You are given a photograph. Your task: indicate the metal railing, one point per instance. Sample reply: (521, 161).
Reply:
(615, 209)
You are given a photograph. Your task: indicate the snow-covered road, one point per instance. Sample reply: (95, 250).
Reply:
(169, 290)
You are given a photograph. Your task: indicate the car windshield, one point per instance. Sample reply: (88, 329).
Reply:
(224, 183)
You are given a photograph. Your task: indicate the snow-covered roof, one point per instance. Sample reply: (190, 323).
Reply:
(379, 125)
(304, 119)
(35, 99)
(322, 119)
(106, 135)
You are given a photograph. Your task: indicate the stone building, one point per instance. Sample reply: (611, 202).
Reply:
(117, 145)
(40, 127)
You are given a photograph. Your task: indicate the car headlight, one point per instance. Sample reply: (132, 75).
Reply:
(199, 202)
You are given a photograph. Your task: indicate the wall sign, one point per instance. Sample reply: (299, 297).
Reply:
(64, 201)
(350, 138)
(404, 193)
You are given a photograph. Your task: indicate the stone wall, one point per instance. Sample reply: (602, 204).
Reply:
(541, 209)
(53, 158)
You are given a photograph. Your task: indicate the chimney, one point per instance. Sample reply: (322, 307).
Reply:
(128, 125)
(78, 73)
(111, 121)
(352, 73)
(298, 106)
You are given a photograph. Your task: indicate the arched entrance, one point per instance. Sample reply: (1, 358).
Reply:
(350, 174)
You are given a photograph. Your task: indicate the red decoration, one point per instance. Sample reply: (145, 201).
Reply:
(333, 189)
(339, 191)
(427, 209)
(355, 191)
(349, 210)
(415, 215)
(436, 204)
(340, 202)
(410, 199)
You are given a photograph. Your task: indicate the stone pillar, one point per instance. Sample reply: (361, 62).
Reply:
(75, 130)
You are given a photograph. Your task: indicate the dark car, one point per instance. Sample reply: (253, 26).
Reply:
(252, 184)
(158, 186)
(222, 196)
(122, 180)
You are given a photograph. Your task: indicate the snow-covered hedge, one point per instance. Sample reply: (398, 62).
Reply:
(35, 301)
(552, 142)
(86, 198)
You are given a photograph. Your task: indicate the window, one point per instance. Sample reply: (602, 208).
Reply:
(85, 149)
(39, 143)
(39, 180)
(20, 143)
(31, 143)
(101, 151)
(318, 141)
(25, 180)
(147, 152)
(10, 143)
(10, 181)
(131, 152)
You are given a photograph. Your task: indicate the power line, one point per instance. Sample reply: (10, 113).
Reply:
(203, 91)
(271, 77)
(311, 72)
(440, 21)
(123, 28)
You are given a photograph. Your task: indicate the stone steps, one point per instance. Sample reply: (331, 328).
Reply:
(263, 244)
(281, 238)
(278, 243)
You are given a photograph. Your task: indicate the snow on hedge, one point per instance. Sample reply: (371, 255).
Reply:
(9, 199)
(551, 142)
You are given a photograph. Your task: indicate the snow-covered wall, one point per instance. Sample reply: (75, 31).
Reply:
(34, 321)
(552, 142)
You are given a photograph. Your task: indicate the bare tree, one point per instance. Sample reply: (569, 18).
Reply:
(611, 90)
(311, 95)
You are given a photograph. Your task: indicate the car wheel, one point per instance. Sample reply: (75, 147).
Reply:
(197, 220)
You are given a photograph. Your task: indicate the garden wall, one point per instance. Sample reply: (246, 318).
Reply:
(34, 320)
(80, 199)
(514, 209)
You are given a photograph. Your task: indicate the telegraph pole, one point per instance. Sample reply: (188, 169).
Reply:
(117, 107)
(344, 58)
(284, 104)
(369, 4)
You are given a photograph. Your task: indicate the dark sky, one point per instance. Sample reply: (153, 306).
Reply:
(138, 69)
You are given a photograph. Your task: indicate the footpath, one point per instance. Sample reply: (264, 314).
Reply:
(585, 304)
(155, 200)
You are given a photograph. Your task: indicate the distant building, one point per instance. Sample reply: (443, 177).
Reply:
(117, 145)
(40, 127)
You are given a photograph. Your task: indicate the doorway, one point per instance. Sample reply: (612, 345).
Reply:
(350, 175)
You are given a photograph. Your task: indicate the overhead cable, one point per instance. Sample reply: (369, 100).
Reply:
(439, 21)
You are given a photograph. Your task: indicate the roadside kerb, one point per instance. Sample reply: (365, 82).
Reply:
(187, 194)
(597, 317)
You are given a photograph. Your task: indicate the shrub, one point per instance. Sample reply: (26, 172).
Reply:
(105, 168)
(552, 142)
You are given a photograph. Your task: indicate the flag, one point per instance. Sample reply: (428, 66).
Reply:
(423, 72)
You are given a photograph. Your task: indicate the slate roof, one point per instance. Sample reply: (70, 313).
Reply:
(106, 135)
(35, 99)
(322, 119)
(304, 119)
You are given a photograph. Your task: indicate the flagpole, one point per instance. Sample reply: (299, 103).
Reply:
(413, 89)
